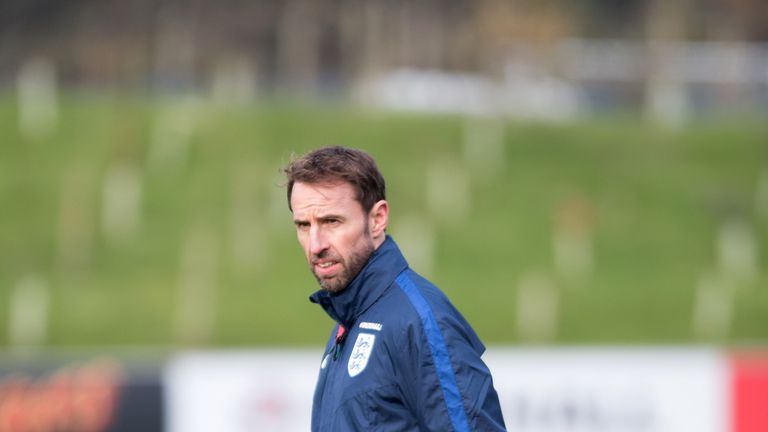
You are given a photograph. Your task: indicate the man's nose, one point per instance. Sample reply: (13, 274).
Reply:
(317, 241)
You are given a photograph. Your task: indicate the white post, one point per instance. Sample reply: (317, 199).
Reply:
(416, 237)
(712, 309)
(666, 93)
(761, 194)
(75, 220)
(28, 324)
(448, 191)
(737, 252)
(234, 82)
(172, 132)
(37, 98)
(537, 308)
(483, 147)
(572, 238)
(248, 240)
(198, 282)
(121, 203)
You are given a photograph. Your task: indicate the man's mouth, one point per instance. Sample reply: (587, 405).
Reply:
(326, 268)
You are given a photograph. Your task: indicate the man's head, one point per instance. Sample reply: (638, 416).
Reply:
(337, 197)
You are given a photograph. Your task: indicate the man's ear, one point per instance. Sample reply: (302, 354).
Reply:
(378, 219)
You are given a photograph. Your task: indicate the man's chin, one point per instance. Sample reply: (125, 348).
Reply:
(332, 288)
(331, 284)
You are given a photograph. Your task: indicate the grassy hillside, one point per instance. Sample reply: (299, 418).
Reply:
(206, 253)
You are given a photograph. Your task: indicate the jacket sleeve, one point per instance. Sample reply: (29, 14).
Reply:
(445, 382)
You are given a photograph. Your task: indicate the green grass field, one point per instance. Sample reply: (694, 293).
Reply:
(213, 218)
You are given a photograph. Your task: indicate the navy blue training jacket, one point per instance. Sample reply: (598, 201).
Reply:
(408, 360)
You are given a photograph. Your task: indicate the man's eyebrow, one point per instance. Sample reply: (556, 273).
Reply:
(325, 218)
(322, 218)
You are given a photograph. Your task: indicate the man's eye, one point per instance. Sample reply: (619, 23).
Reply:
(302, 226)
(332, 222)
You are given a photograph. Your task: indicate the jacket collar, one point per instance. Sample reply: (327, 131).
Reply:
(383, 266)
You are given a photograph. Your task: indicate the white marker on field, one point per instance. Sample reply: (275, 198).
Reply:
(737, 251)
(198, 282)
(712, 309)
(121, 203)
(172, 132)
(761, 194)
(448, 191)
(483, 146)
(234, 82)
(74, 239)
(537, 308)
(278, 204)
(247, 235)
(28, 323)
(665, 91)
(572, 238)
(416, 237)
(38, 98)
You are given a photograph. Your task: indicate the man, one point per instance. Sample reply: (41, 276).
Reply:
(401, 357)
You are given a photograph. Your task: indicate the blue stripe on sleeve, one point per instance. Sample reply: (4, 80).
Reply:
(453, 400)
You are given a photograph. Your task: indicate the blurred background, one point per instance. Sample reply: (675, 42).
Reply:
(571, 173)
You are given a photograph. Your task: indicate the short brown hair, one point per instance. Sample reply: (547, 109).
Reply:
(339, 164)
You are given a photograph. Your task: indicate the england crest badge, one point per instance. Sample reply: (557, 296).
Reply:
(361, 352)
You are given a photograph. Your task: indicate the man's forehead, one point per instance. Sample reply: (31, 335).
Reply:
(321, 194)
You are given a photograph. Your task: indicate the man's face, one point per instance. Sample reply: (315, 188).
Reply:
(333, 230)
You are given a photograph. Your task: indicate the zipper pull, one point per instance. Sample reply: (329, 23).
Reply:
(341, 334)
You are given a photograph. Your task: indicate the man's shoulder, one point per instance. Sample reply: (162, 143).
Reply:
(415, 311)
(393, 307)
(408, 299)
(419, 290)
(434, 309)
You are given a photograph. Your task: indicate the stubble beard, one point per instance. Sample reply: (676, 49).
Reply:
(356, 262)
